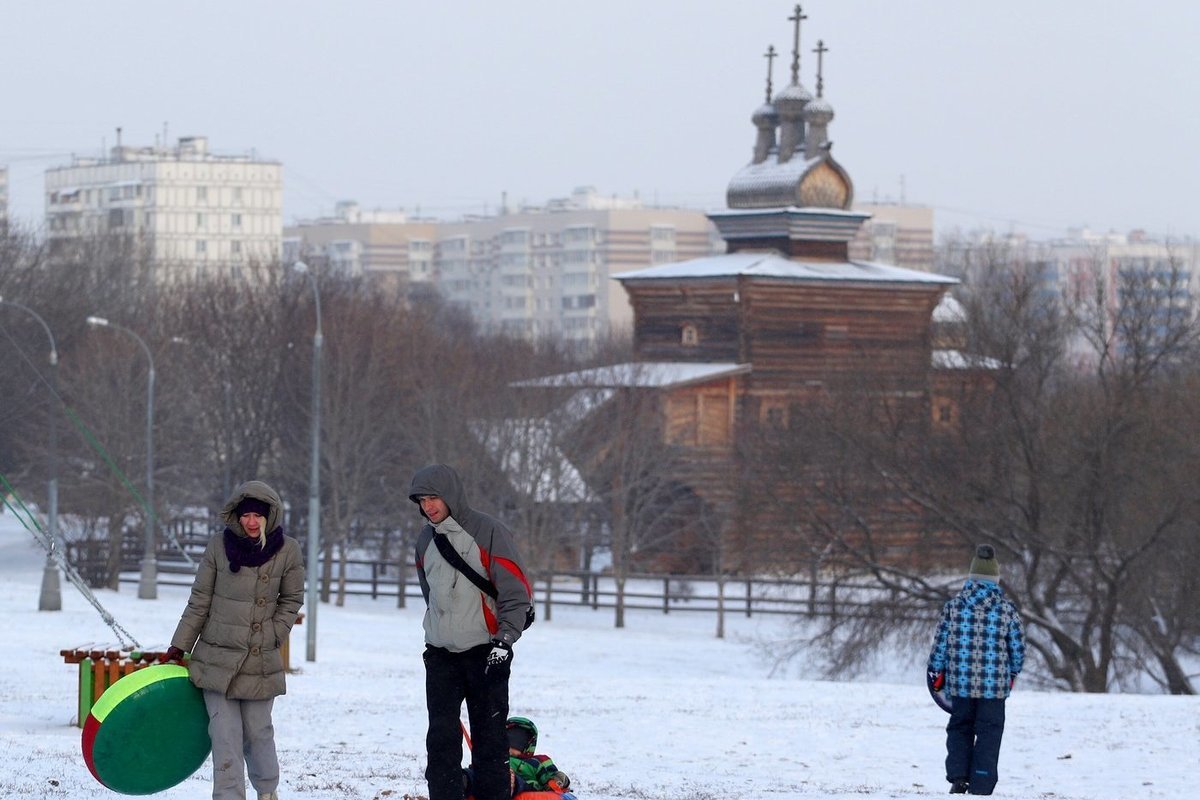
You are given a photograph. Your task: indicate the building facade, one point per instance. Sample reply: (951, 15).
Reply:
(896, 234)
(389, 246)
(194, 212)
(532, 272)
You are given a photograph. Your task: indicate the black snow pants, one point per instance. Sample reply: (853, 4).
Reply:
(973, 742)
(451, 678)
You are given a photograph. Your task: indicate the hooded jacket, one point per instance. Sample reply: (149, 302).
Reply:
(236, 620)
(979, 643)
(458, 615)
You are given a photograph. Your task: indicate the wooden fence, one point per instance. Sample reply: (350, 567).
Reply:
(655, 592)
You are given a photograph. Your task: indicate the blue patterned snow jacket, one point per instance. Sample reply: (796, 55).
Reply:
(979, 643)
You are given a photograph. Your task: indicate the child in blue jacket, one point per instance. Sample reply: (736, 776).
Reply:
(978, 651)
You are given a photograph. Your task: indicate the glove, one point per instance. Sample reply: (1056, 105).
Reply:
(500, 654)
(559, 782)
(173, 654)
(937, 680)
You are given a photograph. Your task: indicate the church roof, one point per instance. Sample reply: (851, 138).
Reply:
(644, 375)
(774, 265)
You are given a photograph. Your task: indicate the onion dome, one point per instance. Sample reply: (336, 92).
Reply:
(792, 100)
(765, 116)
(818, 111)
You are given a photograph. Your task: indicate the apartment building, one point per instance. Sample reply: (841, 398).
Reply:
(193, 210)
(530, 272)
(390, 246)
(896, 234)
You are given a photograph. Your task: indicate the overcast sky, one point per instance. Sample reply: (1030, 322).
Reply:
(1036, 114)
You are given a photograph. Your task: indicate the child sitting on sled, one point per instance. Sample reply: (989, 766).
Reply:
(530, 771)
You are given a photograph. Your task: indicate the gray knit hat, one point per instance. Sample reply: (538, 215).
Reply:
(984, 566)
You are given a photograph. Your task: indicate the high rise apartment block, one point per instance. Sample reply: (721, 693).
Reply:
(896, 234)
(529, 272)
(391, 247)
(194, 211)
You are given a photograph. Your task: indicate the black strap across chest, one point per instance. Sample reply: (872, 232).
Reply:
(455, 560)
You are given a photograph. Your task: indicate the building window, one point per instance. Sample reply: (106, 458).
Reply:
(201, 247)
(662, 234)
(236, 220)
(237, 195)
(235, 248)
(202, 194)
(690, 336)
(199, 220)
(580, 234)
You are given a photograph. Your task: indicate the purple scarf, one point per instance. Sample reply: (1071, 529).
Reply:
(242, 551)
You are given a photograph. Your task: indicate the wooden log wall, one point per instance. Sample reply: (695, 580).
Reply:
(805, 341)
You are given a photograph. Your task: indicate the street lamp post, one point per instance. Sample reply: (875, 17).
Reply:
(148, 582)
(50, 598)
(314, 474)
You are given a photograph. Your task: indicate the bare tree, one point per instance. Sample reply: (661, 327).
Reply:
(636, 473)
(1065, 459)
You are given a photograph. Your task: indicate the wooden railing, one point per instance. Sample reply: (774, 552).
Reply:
(643, 591)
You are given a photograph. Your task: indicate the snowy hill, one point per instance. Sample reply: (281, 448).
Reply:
(660, 709)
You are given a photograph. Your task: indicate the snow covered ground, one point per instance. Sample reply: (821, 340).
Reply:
(660, 709)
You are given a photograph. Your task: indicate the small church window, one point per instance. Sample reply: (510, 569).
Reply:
(690, 336)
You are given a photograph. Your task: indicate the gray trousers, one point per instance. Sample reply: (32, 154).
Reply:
(241, 733)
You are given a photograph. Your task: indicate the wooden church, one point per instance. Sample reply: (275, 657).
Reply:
(784, 317)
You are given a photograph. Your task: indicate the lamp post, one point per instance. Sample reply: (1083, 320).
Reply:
(148, 582)
(314, 474)
(50, 598)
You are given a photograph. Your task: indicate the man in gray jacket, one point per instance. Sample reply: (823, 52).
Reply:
(468, 634)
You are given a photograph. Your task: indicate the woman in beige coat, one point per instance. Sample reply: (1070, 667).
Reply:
(244, 601)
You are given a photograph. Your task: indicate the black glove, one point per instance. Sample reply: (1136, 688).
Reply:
(173, 654)
(500, 654)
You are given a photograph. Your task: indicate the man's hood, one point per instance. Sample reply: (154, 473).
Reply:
(443, 481)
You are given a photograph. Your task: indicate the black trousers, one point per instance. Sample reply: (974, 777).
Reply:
(973, 742)
(451, 679)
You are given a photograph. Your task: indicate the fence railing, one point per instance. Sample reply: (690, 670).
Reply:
(642, 591)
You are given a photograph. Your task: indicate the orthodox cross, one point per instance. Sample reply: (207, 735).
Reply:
(820, 50)
(797, 18)
(770, 57)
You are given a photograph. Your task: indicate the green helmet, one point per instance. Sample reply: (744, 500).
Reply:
(522, 734)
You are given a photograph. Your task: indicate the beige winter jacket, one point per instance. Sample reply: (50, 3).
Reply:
(235, 622)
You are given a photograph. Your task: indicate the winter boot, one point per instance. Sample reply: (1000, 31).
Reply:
(959, 787)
